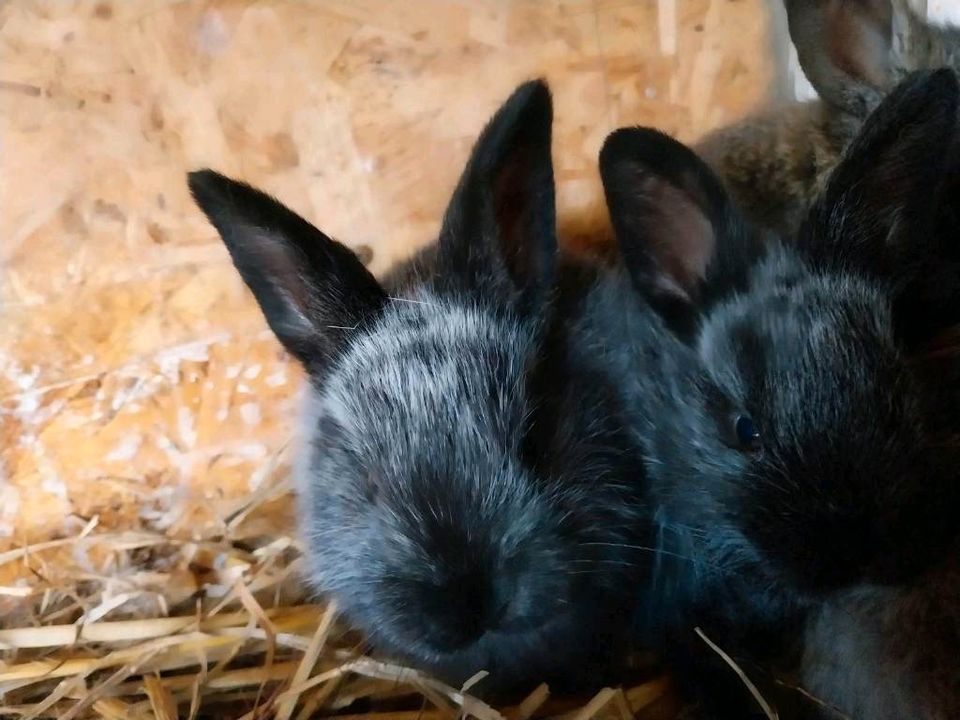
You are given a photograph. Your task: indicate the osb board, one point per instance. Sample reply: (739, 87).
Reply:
(137, 379)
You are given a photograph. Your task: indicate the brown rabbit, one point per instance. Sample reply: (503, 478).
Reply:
(853, 52)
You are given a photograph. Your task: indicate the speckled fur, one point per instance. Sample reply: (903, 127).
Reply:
(434, 407)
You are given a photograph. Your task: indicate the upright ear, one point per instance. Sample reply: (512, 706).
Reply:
(313, 291)
(882, 208)
(845, 47)
(499, 230)
(678, 233)
(879, 201)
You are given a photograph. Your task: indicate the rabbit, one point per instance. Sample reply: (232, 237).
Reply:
(467, 491)
(795, 450)
(853, 52)
(887, 653)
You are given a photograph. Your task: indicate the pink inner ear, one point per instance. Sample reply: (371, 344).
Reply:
(282, 266)
(681, 237)
(858, 40)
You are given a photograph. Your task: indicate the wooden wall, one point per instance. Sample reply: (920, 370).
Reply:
(137, 378)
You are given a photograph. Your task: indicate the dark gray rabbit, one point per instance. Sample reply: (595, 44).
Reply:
(467, 491)
(795, 449)
(887, 653)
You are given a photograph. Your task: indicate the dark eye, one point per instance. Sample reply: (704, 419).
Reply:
(747, 433)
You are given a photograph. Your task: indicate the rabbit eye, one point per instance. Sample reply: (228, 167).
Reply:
(747, 433)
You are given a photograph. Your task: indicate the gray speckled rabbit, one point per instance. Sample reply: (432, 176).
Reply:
(853, 52)
(795, 449)
(467, 491)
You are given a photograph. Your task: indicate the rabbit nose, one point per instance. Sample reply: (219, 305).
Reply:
(468, 606)
(459, 611)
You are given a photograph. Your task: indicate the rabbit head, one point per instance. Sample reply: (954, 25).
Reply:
(454, 518)
(801, 449)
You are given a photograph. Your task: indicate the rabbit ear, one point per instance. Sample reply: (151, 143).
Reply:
(499, 231)
(845, 47)
(885, 188)
(313, 291)
(678, 233)
(881, 205)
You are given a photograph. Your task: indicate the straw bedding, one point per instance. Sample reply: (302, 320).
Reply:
(177, 620)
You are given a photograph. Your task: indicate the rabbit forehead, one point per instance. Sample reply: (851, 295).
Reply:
(432, 365)
(798, 332)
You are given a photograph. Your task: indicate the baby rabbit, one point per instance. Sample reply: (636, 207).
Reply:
(467, 491)
(853, 52)
(794, 450)
(887, 653)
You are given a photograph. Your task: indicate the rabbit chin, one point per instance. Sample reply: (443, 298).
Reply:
(506, 654)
